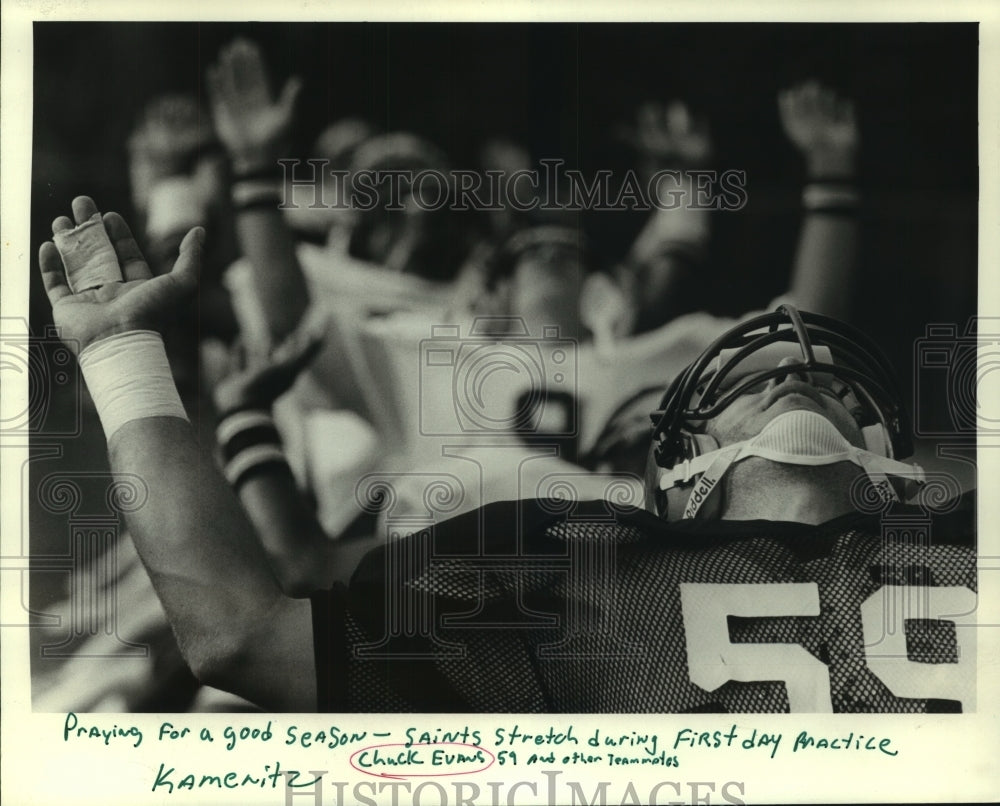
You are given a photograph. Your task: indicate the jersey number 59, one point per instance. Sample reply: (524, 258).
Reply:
(713, 660)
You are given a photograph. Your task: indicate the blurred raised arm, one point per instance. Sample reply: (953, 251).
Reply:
(823, 128)
(253, 126)
(674, 240)
(300, 554)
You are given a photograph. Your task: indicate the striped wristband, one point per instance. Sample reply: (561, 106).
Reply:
(248, 441)
(256, 193)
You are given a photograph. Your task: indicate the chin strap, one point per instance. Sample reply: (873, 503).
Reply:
(798, 438)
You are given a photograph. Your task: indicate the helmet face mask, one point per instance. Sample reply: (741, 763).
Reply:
(833, 357)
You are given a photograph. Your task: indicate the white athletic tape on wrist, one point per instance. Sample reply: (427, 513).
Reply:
(129, 377)
(88, 255)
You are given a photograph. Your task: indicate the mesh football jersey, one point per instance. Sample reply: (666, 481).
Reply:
(540, 606)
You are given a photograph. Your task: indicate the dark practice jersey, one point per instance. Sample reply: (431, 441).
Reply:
(541, 606)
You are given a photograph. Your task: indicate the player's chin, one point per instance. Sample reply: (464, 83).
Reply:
(796, 402)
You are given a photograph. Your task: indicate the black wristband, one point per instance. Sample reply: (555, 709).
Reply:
(252, 459)
(264, 434)
(248, 440)
(258, 203)
(256, 193)
(233, 422)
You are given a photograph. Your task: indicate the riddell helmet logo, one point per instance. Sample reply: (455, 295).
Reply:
(699, 494)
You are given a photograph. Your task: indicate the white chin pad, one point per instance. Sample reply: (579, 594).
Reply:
(801, 434)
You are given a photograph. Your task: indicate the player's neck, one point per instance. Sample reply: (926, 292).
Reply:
(758, 489)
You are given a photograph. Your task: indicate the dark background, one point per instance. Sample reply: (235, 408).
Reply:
(561, 89)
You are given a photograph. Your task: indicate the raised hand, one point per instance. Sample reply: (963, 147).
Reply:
(822, 126)
(258, 385)
(251, 123)
(671, 134)
(164, 143)
(135, 303)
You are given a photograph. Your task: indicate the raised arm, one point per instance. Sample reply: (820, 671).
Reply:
(234, 627)
(300, 554)
(673, 242)
(822, 126)
(253, 126)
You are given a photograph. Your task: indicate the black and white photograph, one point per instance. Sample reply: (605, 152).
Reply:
(528, 410)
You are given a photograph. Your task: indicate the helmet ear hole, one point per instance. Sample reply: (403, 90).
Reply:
(697, 444)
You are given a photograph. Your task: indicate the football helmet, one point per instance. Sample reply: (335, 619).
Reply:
(826, 351)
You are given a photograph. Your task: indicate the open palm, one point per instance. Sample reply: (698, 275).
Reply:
(250, 122)
(672, 132)
(136, 303)
(815, 118)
